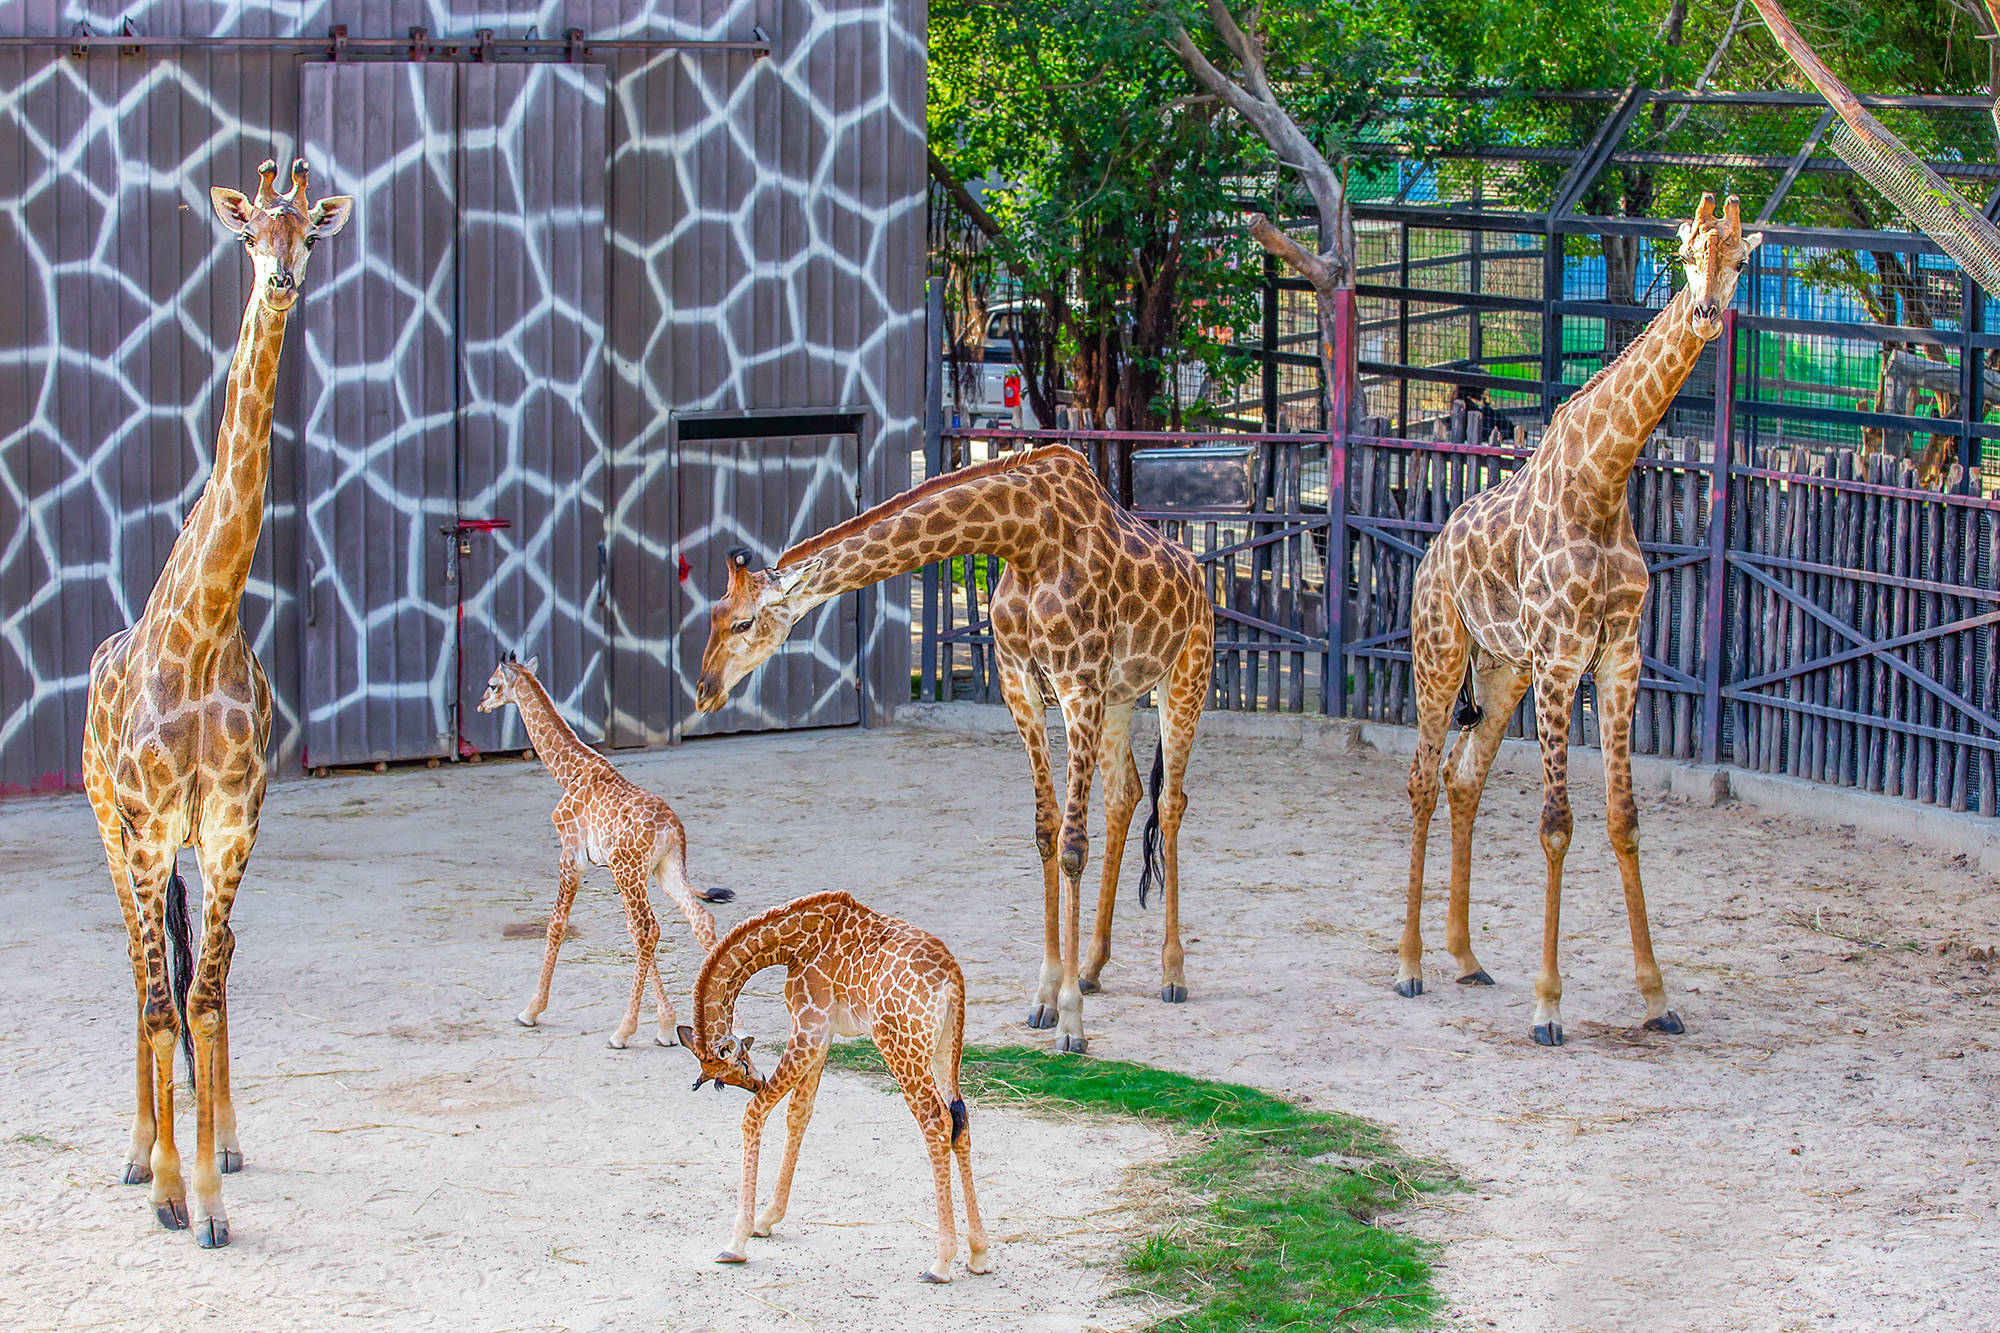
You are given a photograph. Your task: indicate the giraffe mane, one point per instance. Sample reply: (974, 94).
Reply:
(1583, 390)
(840, 532)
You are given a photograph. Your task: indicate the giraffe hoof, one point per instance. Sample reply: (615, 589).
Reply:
(1669, 1023)
(1410, 987)
(1088, 985)
(615, 1043)
(137, 1173)
(1174, 994)
(229, 1161)
(729, 1257)
(928, 1276)
(522, 1020)
(979, 1264)
(1548, 1034)
(1479, 978)
(664, 1040)
(173, 1214)
(1042, 1016)
(1069, 1045)
(211, 1233)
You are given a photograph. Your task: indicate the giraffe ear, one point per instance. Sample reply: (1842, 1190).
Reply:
(533, 666)
(330, 214)
(1752, 241)
(743, 1051)
(231, 207)
(685, 1035)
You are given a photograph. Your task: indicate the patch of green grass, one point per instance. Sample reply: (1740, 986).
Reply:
(1288, 1238)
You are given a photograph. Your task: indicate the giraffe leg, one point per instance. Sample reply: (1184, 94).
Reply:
(975, 1230)
(913, 1072)
(791, 1068)
(1555, 696)
(150, 868)
(1438, 647)
(228, 1151)
(797, 1116)
(630, 871)
(138, 1152)
(568, 877)
(223, 856)
(1024, 700)
(1617, 694)
(1083, 721)
(663, 1033)
(1496, 690)
(1121, 797)
(1186, 695)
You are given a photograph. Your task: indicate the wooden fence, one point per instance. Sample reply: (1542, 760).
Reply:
(1814, 613)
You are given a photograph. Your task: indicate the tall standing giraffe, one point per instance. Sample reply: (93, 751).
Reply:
(1093, 606)
(1541, 578)
(179, 718)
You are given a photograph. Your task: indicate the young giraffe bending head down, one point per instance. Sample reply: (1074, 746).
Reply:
(1541, 579)
(849, 972)
(609, 820)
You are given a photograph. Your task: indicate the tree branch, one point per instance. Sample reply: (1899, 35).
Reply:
(972, 208)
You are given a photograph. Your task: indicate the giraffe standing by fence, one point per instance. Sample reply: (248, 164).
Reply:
(1541, 579)
(1094, 606)
(178, 721)
(849, 972)
(609, 820)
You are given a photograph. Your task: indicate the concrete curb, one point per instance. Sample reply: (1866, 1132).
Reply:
(1977, 836)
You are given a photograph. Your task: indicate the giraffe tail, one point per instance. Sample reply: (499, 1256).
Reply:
(1153, 865)
(181, 959)
(950, 1048)
(1470, 714)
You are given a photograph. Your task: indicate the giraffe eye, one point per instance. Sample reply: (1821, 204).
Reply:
(311, 241)
(741, 627)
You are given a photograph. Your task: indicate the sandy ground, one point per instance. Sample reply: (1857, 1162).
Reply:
(1816, 1153)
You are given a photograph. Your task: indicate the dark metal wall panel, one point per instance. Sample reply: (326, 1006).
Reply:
(137, 141)
(768, 494)
(532, 446)
(379, 430)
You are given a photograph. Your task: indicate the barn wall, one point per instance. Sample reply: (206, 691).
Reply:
(766, 238)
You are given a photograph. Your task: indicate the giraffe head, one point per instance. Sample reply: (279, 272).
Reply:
(280, 230)
(507, 682)
(750, 622)
(729, 1063)
(1714, 252)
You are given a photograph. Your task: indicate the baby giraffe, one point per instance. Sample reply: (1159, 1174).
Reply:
(609, 820)
(851, 972)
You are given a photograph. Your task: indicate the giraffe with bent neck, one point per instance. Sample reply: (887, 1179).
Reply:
(1094, 607)
(1539, 580)
(609, 820)
(850, 972)
(178, 722)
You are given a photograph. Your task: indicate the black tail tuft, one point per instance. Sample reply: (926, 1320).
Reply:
(181, 961)
(1470, 713)
(718, 896)
(1154, 866)
(957, 1118)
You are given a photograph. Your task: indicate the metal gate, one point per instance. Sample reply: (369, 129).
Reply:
(767, 494)
(453, 476)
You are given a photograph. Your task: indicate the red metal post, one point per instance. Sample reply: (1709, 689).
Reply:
(1333, 692)
(1712, 647)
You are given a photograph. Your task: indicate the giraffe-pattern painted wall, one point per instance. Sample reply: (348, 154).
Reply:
(763, 254)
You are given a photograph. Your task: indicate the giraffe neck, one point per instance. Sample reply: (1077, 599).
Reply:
(1617, 410)
(785, 936)
(202, 585)
(1005, 508)
(556, 745)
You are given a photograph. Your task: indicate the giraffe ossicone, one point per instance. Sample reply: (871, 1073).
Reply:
(608, 820)
(1093, 604)
(176, 729)
(1537, 581)
(850, 972)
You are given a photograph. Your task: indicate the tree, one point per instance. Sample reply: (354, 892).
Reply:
(1107, 194)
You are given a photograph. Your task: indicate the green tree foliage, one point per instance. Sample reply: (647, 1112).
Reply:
(1113, 188)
